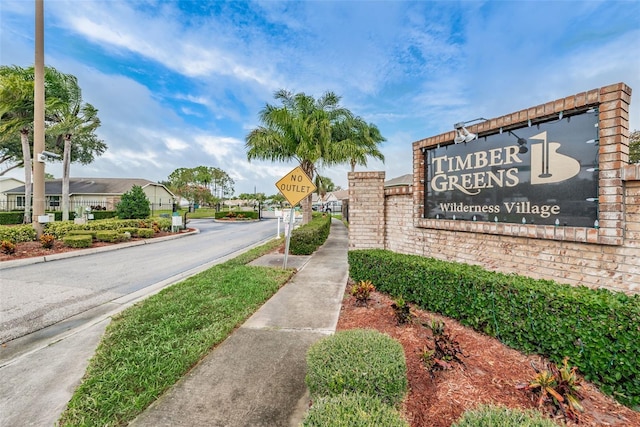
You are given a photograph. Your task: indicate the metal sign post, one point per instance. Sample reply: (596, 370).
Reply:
(294, 186)
(288, 238)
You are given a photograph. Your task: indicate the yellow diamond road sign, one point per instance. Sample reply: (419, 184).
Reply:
(295, 186)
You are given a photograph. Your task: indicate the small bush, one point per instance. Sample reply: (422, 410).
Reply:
(362, 291)
(47, 240)
(145, 233)
(354, 410)
(133, 231)
(92, 233)
(78, 241)
(558, 388)
(357, 360)
(107, 236)
(18, 233)
(499, 416)
(7, 247)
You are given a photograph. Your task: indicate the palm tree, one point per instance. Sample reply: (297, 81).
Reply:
(300, 129)
(16, 116)
(71, 119)
(357, 141)
(65, 116)
(323, 185)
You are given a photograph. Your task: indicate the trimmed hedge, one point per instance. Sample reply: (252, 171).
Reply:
(78, 241)
(306, 239)
(11, 218)
(357, 361)
(133, 231)
(61, 228)
(597, 329)
(145, 233)
(93, 234)
(352, 410)
(18, 233)
(500, 416)
(16, 217)
(112, 236)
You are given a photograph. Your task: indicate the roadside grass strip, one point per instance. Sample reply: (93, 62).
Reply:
(150, 346)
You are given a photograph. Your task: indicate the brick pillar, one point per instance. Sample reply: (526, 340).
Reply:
(366, 210)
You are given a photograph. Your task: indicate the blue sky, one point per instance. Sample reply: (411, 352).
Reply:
(181, 83)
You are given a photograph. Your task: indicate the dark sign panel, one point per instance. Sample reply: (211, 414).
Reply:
(546, 173)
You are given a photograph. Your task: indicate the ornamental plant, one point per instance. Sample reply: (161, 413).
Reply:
(445, 349)
(47, 240)
(402, 310)
(362, 291)
(558, 388)
(8, 247)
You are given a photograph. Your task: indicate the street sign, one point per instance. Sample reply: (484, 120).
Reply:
(295, 186)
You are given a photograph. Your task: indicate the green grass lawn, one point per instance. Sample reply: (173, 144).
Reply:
(151, 345)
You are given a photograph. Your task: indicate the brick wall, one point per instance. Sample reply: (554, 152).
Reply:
(366, 210)
(608, 257)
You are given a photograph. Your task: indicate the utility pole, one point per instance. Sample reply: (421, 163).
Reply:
(38, 121)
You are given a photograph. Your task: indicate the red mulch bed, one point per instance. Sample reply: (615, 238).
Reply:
(35, 249)
(489, 374)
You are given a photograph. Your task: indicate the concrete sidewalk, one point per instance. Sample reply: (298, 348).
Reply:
(256, 376)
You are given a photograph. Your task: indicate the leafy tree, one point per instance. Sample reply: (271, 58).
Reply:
(300, 129)
(324, 185)
(200, 184)
(634, 146)
(72, 119)
(16, 118)
(278, 199)
(134, 204)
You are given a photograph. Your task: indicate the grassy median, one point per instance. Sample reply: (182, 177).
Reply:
(151, 345)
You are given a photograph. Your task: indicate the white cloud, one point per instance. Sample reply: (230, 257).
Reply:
(175, 88)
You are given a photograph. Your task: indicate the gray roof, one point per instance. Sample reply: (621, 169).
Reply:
(401, 181)
(115, 186)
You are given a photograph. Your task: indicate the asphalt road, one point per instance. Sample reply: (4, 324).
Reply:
(39, 295)
(52, 314)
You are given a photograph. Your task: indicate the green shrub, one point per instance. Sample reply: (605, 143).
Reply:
(18, 233)
(237, 214)
(133, 231)
(134, 204)
(306, 239)
(357, 360)
(78, 241)
(92, 233)
(145, 233)
(97, 215)
(9, 218)
(352, 410)
(499, 416)
(596, 329)
(61, 228)
(108, 236)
